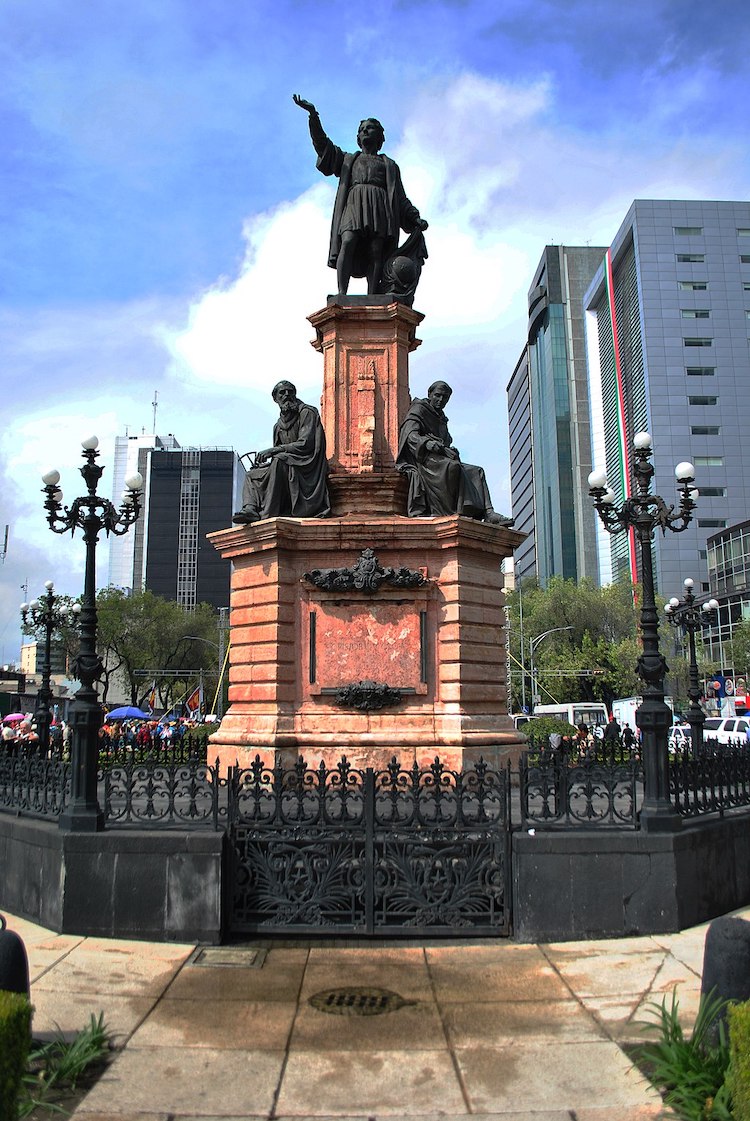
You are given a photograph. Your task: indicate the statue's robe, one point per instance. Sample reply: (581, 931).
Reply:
(402, 214)
(293, 483)
(438, 484)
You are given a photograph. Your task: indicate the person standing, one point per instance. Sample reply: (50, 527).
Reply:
(371, 205)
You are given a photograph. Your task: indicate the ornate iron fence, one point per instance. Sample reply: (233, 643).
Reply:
(32, 785)
(555, 792)
(153, 785)
(152, 794)
(716, 781)
(157, 791)
(390, 851)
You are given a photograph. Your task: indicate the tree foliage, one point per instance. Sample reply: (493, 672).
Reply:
(141, 636)
(738, 649)
(591, 650)
(594, 644)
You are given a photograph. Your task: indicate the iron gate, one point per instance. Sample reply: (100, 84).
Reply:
(341, 850)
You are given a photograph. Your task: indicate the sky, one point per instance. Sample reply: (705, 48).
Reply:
(163, 229)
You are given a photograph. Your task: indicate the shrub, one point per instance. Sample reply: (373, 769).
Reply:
(739, 1045)
(691, 1072)
(541, 728)
(15, 1040)
(57, 1067)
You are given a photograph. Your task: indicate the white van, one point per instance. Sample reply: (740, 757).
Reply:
(592, 713)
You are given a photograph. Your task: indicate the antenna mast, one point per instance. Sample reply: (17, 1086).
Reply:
(154, 405)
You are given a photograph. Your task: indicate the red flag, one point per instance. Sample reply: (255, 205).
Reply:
(195, 700)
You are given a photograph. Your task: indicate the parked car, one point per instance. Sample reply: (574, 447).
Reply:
(679, 737)
(727, 729)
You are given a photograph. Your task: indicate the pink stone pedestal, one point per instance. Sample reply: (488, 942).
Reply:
(293, 644)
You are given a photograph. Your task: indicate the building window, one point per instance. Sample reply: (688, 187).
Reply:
(703, 400)
(745, 258)
(709, 460)
(700, 371)
(688, 231)
(703, 554)
(698, 342)
(712, 523)
(746, 287)
(745, 232)
(695, 313)
(704, 430)
(691, 258)
(693, 285)
(713, 492)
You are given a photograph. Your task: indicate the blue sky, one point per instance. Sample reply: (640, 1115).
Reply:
(163, 227)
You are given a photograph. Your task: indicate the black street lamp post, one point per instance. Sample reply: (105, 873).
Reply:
(644, 512)
(692, 618)
(92, 514)
(46, 615)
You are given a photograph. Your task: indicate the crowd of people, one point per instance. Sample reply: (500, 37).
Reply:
(144, 733)
(585, 743)
(20, 732)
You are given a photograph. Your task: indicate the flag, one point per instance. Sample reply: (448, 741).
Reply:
(148, 700)
(194, 703)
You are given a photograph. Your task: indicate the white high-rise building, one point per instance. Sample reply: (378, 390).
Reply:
(122, 549)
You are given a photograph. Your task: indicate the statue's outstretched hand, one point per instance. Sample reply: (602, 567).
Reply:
(422, 225)
(306, 105)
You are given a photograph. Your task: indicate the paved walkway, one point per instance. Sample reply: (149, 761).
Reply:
(489, 1029)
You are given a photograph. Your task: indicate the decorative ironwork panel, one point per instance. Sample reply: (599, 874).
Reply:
(582, 794)
(33, 785)
(163, 794)
(715, 781)
(392, 851)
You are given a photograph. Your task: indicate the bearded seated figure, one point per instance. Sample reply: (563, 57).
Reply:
(439, 482)
(289, 479)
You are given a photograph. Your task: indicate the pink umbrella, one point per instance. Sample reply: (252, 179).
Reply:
(14, 717)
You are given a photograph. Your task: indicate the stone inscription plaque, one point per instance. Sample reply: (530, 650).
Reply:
(378, 641)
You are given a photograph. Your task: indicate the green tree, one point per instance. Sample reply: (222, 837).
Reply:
(738, 648)
(142, 635)
(592, 648)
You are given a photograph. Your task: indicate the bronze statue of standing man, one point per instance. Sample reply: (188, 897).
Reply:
(371, 207)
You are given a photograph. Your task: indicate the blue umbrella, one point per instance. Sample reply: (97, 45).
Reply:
(127, 712)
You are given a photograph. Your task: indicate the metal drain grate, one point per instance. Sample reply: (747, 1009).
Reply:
(357, 1001)
(234, 957)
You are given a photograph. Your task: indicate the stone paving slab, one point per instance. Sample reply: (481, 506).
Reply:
(388, 1083)
(609, 974)
(186, 1080)
(70, 1012)
(514, 980)
(272, 982)
(244, 1025)
(113, 970)
(508, 1021)
(570, 1075)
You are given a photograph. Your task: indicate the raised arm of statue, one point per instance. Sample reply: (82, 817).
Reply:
(317, 134)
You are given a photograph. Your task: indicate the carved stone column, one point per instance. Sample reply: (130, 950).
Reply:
(365, 342)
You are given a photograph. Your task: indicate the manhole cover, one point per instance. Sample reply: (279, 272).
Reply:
(357, 1001)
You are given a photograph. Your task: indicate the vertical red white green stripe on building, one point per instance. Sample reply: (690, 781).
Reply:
(623, 462)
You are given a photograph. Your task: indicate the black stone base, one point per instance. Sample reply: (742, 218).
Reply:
(158, 886)
(170, 886)
(580, 885)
